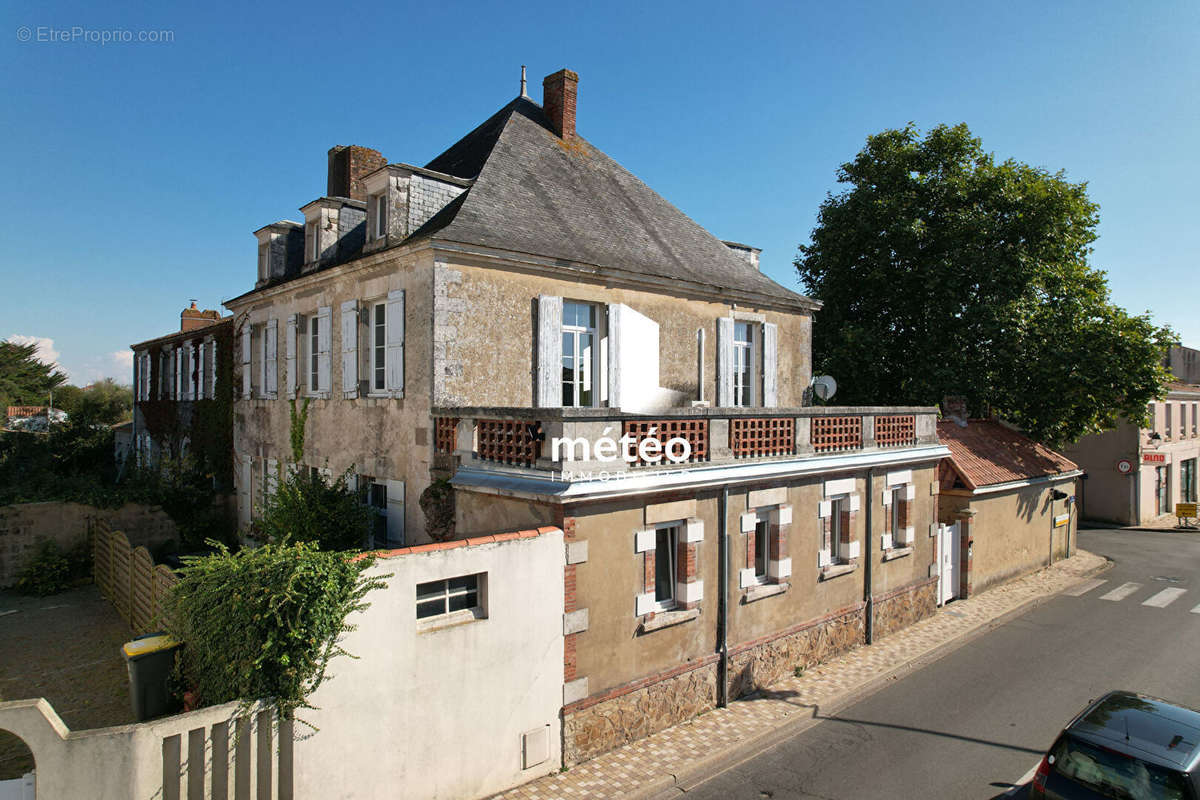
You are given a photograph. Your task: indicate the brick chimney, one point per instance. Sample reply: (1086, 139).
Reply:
(558, 101)
(954, 407)
(192, 318)
(347, 166)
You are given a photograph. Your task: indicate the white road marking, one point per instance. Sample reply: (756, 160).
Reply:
(1085, 587)
(1024, 779)
(1196, 610)
(1164, 598)
(1121, 592)
(6, 613)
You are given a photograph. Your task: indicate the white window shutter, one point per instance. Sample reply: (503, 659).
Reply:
(349, 320)
(289, 346)
(393, 355)
(272, 477)
(324, 342)
(175, 384)
(725, 361)
(549, 352)
(395, 512)
(246, 388)
(770, 364)
(272, 356)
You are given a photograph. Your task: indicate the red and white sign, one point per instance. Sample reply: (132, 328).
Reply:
(1124, 466)
(1154, 458)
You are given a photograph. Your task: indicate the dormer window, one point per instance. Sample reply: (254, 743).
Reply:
(312, 237)
(381, 222)
(263, 262)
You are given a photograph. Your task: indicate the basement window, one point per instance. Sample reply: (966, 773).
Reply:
(451, 598)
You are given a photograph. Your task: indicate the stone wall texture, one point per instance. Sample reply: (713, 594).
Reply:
(756, 665)
(903, 607)
(609, 720)
(67, 524)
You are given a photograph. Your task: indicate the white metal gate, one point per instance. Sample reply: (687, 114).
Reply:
(949, 562)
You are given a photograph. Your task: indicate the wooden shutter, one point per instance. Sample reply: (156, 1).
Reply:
(395, 512)
(272, 477)
(272, 356)
(246, 388)
(324, 343)
(289, 346)
(725, 361)
(549, 352)
(394, 338)
(770, 369)
(349, 321)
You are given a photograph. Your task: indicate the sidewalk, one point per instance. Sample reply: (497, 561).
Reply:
(695, 750)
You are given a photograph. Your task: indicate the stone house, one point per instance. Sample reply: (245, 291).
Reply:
(524, 316)
(1013, 499)
(1137, 474)
(183, 394)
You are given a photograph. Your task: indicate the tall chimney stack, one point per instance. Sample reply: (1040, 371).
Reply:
(347, 166)
(558, 101)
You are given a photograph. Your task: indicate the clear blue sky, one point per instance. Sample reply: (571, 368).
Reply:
(136, 172)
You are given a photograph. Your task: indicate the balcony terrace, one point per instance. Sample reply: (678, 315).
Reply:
(577, 452)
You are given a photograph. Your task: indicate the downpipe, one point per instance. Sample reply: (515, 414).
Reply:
(867, 591)
(723, 601)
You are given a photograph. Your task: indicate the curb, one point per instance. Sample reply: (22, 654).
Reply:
(697, 772)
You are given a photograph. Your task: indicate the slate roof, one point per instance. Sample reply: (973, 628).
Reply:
(986, 453)
(535, 193)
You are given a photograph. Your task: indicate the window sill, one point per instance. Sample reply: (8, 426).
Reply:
(452, 620)
(764, 590)
(834, 570)
(665, 619)
(897, 552)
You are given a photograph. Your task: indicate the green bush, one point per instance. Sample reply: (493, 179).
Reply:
(306, 508)
(263, 623)
(51, 571)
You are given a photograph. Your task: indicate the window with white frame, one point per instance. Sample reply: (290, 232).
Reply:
(839, 542)
(314, 355)
(766, 532)
(381, 204)
(580, 362)
(898, 496)
(670, 568)
(378, 348)
(444, 598)
(837, 528)
(743, 364)
(762, 548)
(263, 273)
(666, 548)
(312, 234)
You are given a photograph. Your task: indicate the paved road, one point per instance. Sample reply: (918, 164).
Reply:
(976, 722)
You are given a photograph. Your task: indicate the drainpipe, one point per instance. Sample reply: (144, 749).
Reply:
(723, 601)
(868, 592)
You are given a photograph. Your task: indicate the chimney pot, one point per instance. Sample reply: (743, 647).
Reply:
(558, 101)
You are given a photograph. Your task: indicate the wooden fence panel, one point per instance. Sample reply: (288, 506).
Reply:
(128, 578)
(141, 591)
(121, 556)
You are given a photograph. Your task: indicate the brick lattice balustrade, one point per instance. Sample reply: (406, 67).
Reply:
(444, 434)
(896, 431)
(836, 433)
(695, 431)
(762, 436)
(509, 441)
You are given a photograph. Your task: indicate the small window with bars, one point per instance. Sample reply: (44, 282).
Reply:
(443, 598)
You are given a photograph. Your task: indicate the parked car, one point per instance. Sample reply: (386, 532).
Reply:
(1126, 746)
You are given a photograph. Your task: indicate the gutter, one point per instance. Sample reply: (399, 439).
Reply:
(868, 591)
(723, 601)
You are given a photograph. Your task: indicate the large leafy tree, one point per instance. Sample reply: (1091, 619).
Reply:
(24, 380)
(943, 272)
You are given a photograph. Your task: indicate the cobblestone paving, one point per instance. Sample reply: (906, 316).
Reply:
(630, 770)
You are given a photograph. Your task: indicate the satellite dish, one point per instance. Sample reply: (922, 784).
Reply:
(824, 387)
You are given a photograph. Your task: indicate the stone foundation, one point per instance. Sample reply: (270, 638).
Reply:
(758, 664)
(902, 607)
(600, 723)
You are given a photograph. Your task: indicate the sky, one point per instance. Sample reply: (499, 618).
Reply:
(136, 171)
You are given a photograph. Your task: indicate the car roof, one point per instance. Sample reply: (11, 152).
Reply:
(1147, 727)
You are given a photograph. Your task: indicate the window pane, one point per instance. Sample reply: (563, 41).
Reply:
(1114, 774)
(585, 369)
(664, 565)
(468, 582)
(431, 589)
(459, 602)
(760, 548)
(741, 332)
(431, 608)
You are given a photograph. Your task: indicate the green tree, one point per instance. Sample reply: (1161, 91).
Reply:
(106, 402)
(304, 507)
(943, 272)
(24, 380)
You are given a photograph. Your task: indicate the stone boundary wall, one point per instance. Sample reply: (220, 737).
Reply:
(902, 607)
(69, 525)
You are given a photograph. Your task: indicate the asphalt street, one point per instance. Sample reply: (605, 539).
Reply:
(976, 722)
